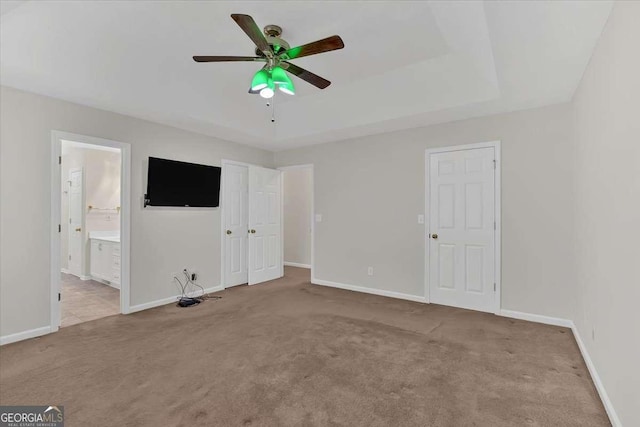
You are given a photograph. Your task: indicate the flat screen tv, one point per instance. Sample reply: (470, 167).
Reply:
(173, 183)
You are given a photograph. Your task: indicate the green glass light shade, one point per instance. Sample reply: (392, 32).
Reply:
(280, 76)
(288, 88)
(260, 80)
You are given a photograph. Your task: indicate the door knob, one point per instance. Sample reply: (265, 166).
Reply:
(434, 236)
(228, 231)
(78, 229)
(253, 231)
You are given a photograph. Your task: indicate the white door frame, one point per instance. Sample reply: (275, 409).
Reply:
(497, 207)
(312, 219)
(223, 243)
(125, 218)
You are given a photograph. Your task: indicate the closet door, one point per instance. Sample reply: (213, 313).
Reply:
(265, 225)
(236, 224)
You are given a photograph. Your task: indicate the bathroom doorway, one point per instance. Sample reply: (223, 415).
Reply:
(90, 213)
(90, 261)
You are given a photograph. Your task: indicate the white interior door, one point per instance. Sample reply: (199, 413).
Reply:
(76, 234)
(236, 222)
(265, 225)
(462, 228)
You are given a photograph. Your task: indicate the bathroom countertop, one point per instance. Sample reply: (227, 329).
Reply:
(115, 239)
(107, 236)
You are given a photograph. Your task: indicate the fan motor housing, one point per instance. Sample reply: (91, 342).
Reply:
(272, 34)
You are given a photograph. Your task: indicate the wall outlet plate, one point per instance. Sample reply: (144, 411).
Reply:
(318, 217)
(420, 219)
(370, 271)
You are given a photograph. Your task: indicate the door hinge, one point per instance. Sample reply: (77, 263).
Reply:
(494, 225)
(59, 296)
(59, 160)
(59, 228)
(69, 257)
(494, 287)
(494, 163)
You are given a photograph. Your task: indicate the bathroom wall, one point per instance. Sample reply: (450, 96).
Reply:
(102, 190)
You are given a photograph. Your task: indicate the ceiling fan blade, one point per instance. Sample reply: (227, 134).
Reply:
(254, 32)
(226, 58)
(313, 48)
(307, 76)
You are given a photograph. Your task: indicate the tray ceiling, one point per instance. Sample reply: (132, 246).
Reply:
(405, 64)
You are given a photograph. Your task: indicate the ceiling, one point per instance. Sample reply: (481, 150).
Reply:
(405, 64)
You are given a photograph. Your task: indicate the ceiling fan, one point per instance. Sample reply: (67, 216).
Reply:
(276, 53)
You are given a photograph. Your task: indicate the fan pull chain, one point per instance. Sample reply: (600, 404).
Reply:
(273, 109)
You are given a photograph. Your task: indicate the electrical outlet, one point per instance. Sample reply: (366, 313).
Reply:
(370, 271)
(194, 276)
(421, 219)
(593, 334)
(318, 217)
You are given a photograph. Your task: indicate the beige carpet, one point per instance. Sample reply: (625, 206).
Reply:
(290, 353)
(84, 300)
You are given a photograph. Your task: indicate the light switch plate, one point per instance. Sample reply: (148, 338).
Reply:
(421, 219)
(318, 217)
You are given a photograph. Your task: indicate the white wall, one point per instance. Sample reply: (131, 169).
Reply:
(607, 210)
(370, 190)
(163, 240)
(102, 189)
(297, 186)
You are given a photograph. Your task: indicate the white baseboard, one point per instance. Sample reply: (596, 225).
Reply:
(608, 406)
(31, 333)
(555, 321)
(169, 300)
(380, 292)
(66, 271)
(296, 264)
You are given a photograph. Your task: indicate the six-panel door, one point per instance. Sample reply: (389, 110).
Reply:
(462, 228)
(236, 189)
(265, 210)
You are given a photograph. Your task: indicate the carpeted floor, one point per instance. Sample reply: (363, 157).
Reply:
(288, 353)
(84, 300)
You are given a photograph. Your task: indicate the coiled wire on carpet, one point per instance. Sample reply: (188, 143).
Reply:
(194, 300)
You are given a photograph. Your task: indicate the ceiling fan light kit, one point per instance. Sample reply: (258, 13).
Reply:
(260, 80)
(276, 52)
(287, 88)
(268, 91)
(265, 81)
(280, 76)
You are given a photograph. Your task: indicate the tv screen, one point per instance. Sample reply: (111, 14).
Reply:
(173, 183)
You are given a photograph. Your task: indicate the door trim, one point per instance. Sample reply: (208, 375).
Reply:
(312, 219)
(223, 245)
(497, 208)
(125, 219)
